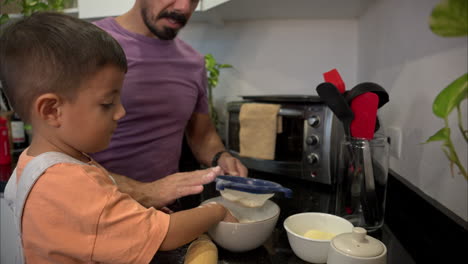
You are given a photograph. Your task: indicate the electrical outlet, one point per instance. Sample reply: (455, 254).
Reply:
(394, 133)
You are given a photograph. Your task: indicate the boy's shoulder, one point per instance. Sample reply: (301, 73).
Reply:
(67, 171)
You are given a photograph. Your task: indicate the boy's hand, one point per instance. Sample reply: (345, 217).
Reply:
(229, 217)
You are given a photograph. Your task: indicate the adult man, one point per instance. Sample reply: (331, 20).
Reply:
(164, 95)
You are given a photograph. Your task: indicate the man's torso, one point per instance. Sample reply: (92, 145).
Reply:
(164, 86)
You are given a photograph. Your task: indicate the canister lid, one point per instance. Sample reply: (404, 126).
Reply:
(358, 244)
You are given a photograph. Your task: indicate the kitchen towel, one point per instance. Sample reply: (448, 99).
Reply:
(259, 124)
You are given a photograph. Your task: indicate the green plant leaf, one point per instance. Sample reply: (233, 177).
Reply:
(441, 135)
(4, 18)
(41, 7)
(6, 2)
(212, 74)
(450, 18)
(57, 4)
(451, 96)
(31, 3)
(30, 6)
(210, 61)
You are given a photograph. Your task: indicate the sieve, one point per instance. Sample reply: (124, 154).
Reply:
(248, 192)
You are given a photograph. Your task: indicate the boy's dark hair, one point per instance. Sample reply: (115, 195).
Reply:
(52, 53)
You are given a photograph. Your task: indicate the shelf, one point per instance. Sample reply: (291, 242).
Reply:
(221, 11)
(239, 10)
(90, 9)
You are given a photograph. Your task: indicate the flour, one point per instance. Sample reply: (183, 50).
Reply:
(244, 198)
(247, 214)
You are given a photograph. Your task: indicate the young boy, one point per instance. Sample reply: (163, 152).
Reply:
(64, 76)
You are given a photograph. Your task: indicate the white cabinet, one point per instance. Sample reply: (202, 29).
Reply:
(231, 10)
(104, 8)
(241, 10)
(205, 5)
(7, 233)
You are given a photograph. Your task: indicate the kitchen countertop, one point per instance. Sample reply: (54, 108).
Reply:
(404, 233)
(276, 250)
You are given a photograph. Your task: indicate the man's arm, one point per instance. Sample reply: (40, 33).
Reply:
(163, 192)
(205, 143)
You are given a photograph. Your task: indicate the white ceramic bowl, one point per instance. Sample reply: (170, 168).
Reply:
(313, 250)
(255, 227)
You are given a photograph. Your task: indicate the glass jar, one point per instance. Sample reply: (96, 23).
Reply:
(362, 181)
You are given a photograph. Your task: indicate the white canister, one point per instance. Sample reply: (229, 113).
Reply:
(356, 248)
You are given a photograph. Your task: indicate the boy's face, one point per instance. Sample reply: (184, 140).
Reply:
(89, 121)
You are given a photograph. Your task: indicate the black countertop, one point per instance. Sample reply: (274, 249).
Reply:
(416, 230)
(277, 251)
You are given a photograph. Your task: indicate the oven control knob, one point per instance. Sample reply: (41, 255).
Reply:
(313, 158)
(313, 121)
(312, 140)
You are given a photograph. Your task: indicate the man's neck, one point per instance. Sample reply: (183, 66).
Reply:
(133, 22)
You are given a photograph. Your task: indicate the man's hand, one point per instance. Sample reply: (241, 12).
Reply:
(231, 165)
(166, 190)
(205, 142)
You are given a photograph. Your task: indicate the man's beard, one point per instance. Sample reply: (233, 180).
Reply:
(166, 33)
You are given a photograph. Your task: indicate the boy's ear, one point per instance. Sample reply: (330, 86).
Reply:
(48, 108)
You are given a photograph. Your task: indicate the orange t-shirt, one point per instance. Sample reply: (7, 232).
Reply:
(75, 214)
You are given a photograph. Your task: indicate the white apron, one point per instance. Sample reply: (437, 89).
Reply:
(16, 194)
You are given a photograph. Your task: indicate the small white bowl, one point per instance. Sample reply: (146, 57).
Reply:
(313, 250)
(256, 229)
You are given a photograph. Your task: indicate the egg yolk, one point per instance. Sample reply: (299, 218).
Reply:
(319, 235)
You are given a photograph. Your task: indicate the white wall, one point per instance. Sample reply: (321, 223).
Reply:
(398, 50)
(276, 56)
(390, 44)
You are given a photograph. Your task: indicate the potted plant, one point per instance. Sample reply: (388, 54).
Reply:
(450, 19)
(27, 7)
(213, 70)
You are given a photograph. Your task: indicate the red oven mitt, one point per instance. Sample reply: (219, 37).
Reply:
(334, 78)
(364, 107)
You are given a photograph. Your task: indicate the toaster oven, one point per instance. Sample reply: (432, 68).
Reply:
(307, 147)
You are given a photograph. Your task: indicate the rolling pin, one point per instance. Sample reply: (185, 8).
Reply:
(202, 251)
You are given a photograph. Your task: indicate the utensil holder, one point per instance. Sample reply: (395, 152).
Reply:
(362, 181)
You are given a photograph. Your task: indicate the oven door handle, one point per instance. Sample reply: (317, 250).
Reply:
(290, 168)
(290, 112)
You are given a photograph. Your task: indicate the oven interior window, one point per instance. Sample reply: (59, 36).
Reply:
(289, 143)
(234, 128)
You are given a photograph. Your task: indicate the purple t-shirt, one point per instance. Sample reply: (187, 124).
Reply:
(165, 84)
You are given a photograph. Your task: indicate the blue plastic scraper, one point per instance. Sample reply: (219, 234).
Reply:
(248, 192)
